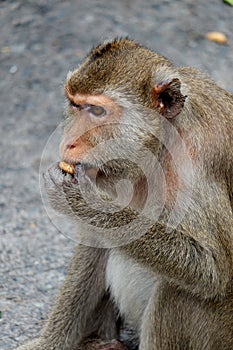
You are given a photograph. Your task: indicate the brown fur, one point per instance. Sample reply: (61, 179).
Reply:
(118, 63)
(191, 307)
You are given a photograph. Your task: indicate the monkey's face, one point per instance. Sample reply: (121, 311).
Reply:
(103, 145)
(90, 120)
(99, 141)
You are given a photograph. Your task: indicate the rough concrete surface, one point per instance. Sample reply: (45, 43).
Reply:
(40, 41)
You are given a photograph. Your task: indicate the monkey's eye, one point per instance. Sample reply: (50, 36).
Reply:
(97, 111)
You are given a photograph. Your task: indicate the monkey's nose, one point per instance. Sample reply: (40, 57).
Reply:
(74, 151)
(70, 146)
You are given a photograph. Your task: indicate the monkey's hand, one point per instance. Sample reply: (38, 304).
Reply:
(70, 194)
(101, 345)
(80, 198)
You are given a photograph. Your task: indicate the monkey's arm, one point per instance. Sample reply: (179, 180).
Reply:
(203, 268)
(74, 317)
(196, 255)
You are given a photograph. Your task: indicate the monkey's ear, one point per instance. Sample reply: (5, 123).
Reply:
(168, 98)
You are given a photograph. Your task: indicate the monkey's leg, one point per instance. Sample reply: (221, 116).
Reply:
(82, 308)
(166, 323)
(176, 320)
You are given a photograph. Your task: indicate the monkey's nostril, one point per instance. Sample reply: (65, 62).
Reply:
(70, 146)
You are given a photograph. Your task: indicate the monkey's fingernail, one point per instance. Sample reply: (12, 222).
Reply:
(74, 180)
(78, 169)
(78, 166)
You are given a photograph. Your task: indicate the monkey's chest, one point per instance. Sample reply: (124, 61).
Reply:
(131, 286)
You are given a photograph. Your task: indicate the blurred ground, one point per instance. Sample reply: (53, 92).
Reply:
(40, 41)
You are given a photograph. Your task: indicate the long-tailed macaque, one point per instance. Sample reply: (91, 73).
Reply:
(163, 279)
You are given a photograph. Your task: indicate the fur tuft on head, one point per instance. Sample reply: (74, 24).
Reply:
(121, 64)
(112, 47)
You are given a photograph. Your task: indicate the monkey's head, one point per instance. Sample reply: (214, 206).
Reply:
(117, 103)
(120, 87)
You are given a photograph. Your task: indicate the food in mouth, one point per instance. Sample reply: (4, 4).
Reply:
(75, 169)
(67, 167)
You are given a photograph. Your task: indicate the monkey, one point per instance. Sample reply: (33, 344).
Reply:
(160, 266)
